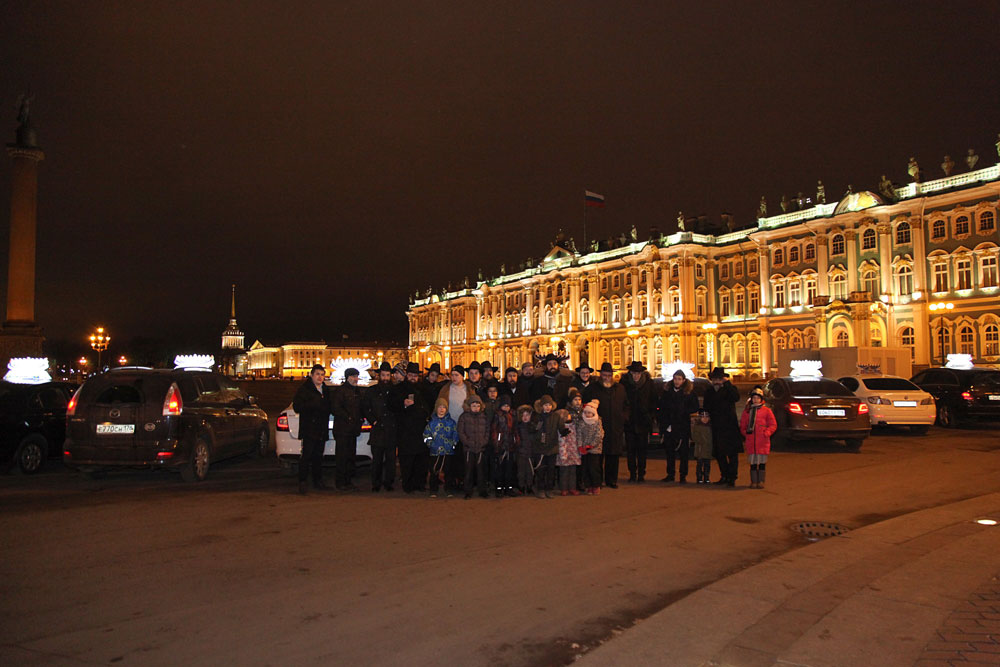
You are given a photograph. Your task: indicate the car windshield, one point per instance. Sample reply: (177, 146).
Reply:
(822, 387)
(890, 384)
(987, 379)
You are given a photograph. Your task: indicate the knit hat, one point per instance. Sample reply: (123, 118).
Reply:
(459, 368)
(571, 394)
(400, 368)
(504, 399)
(546, 399)
(438, 403)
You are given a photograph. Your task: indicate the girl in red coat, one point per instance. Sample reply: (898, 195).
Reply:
(757, 426)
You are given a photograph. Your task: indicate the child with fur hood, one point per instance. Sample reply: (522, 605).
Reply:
(441, 435)
(568, 458)
(543, 459)
(474, 432)
(590, 440)
(527, 429)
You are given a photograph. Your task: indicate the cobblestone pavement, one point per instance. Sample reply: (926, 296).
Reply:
(971, 635)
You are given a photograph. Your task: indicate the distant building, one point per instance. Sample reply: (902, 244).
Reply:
(915, 267)
(297, 358)
(233, 360)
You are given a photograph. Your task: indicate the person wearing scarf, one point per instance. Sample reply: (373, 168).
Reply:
(757, 426)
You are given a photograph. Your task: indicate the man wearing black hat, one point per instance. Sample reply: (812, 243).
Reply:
(676, 405)
(720, 401)
(411, 412)
(382, 436)
(475, 371)
(488, 380)
(642, 406)
(346, 428)
(312, 404)
(431, 384)
(509, 385)
(552, 382)
(613, 411)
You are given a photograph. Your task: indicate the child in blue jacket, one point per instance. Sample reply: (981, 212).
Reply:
(441, 435)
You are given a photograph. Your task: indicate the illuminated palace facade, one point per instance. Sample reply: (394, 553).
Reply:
(917, 269)
(297, 358)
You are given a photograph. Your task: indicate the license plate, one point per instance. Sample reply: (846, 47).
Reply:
(994, 397)
(115, 429)
(829, 412)
(905, 404)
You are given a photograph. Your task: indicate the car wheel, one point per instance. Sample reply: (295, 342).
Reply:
(919, 430)
(946, 416)
(263, 443)
(854, 444)
(31, 453)
(196, 469)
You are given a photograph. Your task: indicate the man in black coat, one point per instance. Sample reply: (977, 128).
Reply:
(613, 411)
(412, 413)
(431, 384)
(584, 380)
(674, 409)
(552, 382)
(382, 436)
(642, 408)
(720, 401)
(509, 385)
(312, 404)
(522, 395)
(346, 428)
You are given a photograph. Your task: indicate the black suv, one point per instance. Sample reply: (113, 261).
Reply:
(32, 423)
(181, 419)
(961, 393)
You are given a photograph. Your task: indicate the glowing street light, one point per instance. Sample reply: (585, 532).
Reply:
(122, 360)
(99, 341)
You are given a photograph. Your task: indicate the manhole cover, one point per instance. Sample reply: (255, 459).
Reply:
(817, 530)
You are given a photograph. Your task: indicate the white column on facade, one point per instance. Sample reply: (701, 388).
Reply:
(823, 264)
(593, 295)
(650, 289)
(479, 316)
(664, 287)
(541, 308)
(711, 266)
(529, 303)
(919, 258)
(885, 261)
(634, 272)
(850, 236)
(764, 259)
(574, 302)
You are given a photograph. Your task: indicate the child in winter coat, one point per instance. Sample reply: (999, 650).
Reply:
(543, 458)
(568, 458)
(574, 405)
(757, 426)
(527, 443)
(590, 439)
(701, 436)
(441, 435)
(474, 432)
(504, 438)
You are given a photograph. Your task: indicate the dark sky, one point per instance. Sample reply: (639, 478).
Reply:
(333, 157)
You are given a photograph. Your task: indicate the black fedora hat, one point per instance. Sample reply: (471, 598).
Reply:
(607, 368)
(584, 366)
(435, 368)
(475, 366)
(413, 367)
(636, 367)
(718, 373)
(385, 366)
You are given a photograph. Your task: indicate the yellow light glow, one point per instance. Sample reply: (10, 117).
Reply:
(986, 522)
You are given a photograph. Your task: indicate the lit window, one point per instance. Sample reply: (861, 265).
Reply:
(754, 352)
(940, 277)
(963, 274)
(907, 339)
(942, 341)
(779, 257)
(868, 239)
(870, 282)
(724, 271)
(903, 233)
(793, 255)
(779, 295)
(991, 340)
(966, 341)
(794, 293)
(904, 279)
(987, 222)
(837, 244)
(876, 337)
(810, 252)
(989, 266)
(810, 291)
(842, 338)
(838, 286)
(752, 269)
(938, 230)
(962, 225)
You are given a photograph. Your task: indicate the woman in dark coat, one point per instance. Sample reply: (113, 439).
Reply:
(613, 411)
(720, 401)
(674, 409)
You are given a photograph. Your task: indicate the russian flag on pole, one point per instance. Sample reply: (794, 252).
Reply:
(592, 198)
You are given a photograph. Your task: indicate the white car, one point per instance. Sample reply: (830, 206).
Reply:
(289, 447)
(893, 401)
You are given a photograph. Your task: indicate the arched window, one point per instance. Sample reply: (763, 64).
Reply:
(724, 352)
(904, 279)
(868, 239)
(793, 255)
(753, 266)
(617, 281)
(627, 350)
(616, 310)
(794, 340)
(675, 350)
(987, 222)
(658, 353)
(942, 341)
(963, 273)
(616, 354)
(584, 314)
(779, 295)
(604, 283)
(938, 230)
(741, 351)
(837, 246)
(966, 340)
(811, 339)
(907, 339)
(991, 340)
(754, 352)
(810, 252)
(903, 233)
(870, 282)
(675, 270)
(779, 257)
(842, 338)
(962, 225)
(838, 286)
(702, 355)
(779, 342)
(876, 337)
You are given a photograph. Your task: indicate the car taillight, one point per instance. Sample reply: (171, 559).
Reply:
(795, 409)
(71, 406)
(927, 401)
(366, 427)
(282, 423)
(967, 395)
(862, 408)
(173, 404)
(162, 456)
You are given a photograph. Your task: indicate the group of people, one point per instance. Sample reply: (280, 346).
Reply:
(533, 430)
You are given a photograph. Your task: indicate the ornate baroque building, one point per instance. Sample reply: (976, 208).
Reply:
(916, 267)
(296, 359)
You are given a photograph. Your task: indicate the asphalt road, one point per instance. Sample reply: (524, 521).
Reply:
(139, 567)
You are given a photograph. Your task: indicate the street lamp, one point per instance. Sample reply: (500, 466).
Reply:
(82, 361)
(99, 341)
(122, 360)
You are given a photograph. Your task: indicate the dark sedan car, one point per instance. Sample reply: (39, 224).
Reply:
(32, 423)
(181, 419)
(962, 393)
(816, 408)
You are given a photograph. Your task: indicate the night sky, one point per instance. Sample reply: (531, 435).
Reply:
(332, 158)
